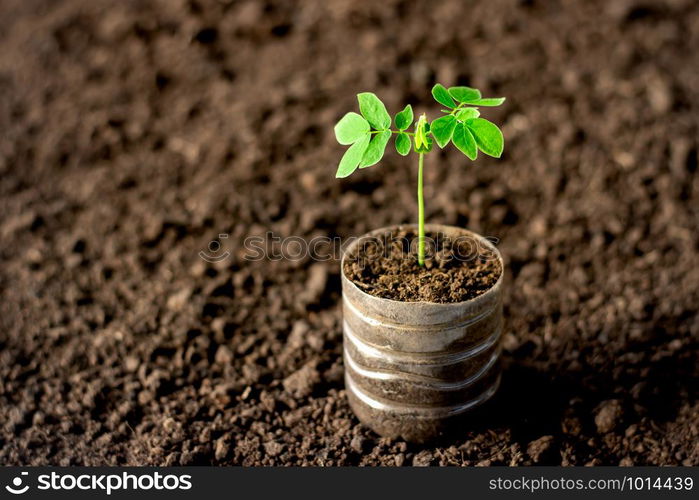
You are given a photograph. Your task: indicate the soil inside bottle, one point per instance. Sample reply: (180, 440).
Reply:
(456, 268)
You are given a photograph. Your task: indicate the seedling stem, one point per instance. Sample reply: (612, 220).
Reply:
(420, 212)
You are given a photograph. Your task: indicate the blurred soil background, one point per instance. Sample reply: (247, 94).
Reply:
(133, 133)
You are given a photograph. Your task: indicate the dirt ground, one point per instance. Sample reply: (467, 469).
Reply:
(134, 133)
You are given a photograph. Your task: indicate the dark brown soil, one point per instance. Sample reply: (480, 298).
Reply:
(454, 271)
(135, 132)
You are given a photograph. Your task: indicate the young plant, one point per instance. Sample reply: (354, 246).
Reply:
(368, 134)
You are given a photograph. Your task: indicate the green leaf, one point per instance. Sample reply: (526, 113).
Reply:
(420, 131)
(467, 113)
(374, 111)
(442, 129)
(425, 148)
(441, 95)
(488, 102)
(350, 128)
(350, 160)
(376, 148)
(487, 135)
(405, 118)
(464, 94)
(463, 139)
(403, 144)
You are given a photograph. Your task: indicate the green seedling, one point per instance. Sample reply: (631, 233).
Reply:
(368, 133)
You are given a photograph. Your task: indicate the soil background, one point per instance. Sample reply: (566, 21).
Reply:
(134, 133)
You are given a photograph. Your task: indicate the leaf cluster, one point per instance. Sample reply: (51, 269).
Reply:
(368, 132)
